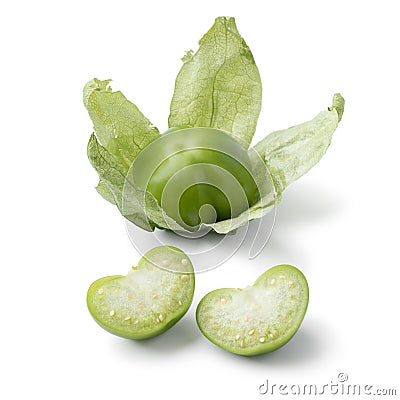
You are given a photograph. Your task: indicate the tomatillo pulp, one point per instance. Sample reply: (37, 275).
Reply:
(197, 175)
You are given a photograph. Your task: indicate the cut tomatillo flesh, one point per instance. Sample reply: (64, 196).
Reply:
(197, 175)
(149, 300)
(259, 318)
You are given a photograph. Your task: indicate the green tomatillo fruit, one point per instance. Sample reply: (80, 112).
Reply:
(218, 88)
(149, 300)
(197, 175)
(259, 318)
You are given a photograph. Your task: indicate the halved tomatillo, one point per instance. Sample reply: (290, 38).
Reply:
(259, 318)
(149, 300)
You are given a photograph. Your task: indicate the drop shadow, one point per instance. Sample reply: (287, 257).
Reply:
(273, 236)
(306, 346)
(299, 207)
(184, 333)
(307, 204)
(303, 348)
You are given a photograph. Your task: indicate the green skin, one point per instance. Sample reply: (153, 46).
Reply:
(294, 289)
(188, 168)
(99, 305)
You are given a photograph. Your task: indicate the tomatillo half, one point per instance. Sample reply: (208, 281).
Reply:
(197, 175)
(147, 301)
(257, 319)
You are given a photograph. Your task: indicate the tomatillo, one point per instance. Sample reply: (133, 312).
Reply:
(197, 175)
(256, 319)
(149, 300)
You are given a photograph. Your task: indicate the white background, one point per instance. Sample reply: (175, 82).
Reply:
(339, 224)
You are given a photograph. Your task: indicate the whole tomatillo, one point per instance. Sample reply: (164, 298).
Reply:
(197, 175)
(219, 88)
